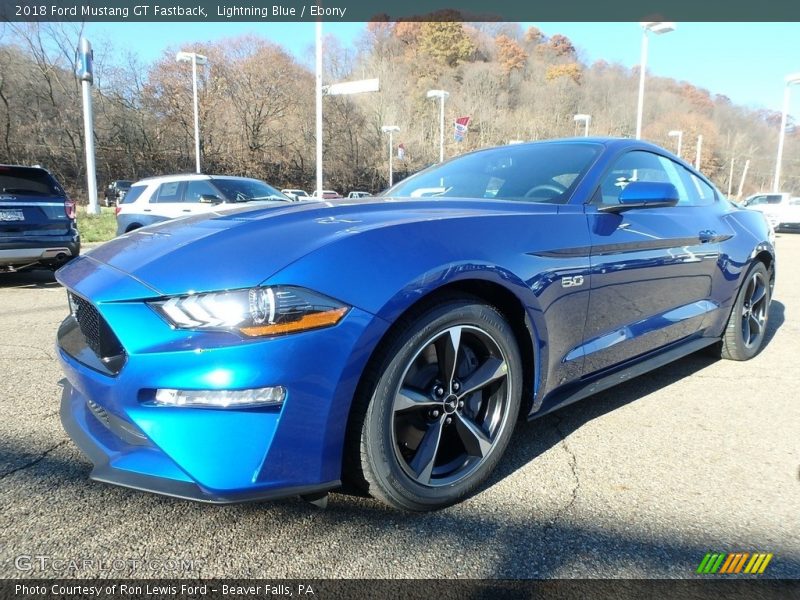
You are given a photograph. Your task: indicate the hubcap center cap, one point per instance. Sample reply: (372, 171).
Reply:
(450, 404)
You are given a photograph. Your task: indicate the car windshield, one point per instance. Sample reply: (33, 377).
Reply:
(244, 190)
(544, 172)
(28, 182)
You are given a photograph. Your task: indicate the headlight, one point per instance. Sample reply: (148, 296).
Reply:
(255, 312)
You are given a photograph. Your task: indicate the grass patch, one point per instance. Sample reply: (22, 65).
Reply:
(97, 228)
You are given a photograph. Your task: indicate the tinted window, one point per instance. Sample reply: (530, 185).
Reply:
(133, 194)
(29, 182)
(546, 172)
(243, 190)
(168, 192)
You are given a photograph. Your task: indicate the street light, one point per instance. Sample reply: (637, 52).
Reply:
(390, 129)
(585, 119)
(790, 81)
(441, 94)
(195, 59)
(658, 28)
(679, 134)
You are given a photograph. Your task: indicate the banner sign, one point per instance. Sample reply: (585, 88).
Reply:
(461, 128)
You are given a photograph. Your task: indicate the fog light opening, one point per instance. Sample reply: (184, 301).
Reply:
(253, 398)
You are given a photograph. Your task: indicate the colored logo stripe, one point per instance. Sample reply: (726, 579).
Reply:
(733, 563)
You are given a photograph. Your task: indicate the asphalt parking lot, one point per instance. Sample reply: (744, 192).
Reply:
(639, 481)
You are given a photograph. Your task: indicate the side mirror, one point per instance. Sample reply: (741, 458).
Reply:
(644, 194)
(210, 199)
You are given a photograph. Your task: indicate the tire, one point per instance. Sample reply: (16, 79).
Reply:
(747, 324)
(435, 443)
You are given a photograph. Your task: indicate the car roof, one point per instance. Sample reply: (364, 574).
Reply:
(190, 177)
(31, 167)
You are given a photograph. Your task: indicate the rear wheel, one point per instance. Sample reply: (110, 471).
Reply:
(747, 325)
(440, 407)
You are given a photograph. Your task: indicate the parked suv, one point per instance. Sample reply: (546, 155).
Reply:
(37, 221)
(779, 208)
(170, 196)
(296, 195)
(116, 190)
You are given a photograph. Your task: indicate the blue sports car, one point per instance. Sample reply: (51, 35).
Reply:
(392, 343)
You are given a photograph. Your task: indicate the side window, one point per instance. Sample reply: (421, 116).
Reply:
(640, 166)
(756, 200)
(196, 189)
(168, 192)
(700, 193)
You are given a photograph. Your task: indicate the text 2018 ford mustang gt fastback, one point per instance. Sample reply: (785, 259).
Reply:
(392, 343)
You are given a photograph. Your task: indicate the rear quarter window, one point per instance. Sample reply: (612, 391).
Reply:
(133, 194)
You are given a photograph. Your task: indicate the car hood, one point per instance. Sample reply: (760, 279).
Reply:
(245, 246)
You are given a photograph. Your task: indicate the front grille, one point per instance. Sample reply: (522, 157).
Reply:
(94, 328)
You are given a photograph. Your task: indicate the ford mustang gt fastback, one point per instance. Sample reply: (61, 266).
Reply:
(391, 344)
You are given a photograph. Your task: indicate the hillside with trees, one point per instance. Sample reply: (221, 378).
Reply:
(257, 106)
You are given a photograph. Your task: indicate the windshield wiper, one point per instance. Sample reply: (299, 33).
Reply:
(271, 197)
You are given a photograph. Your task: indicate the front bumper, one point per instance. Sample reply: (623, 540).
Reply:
(212, 455)
(788, 226)
(161, 476)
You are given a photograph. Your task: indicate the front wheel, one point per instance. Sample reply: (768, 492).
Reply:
(747, 325)
(441, 407)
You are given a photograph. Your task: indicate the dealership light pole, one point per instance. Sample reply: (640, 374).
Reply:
(697, 153)
(336, 89)
(390, 129)
(441, 94)
(678, 134)
(585, 119)
(658, 28)
(318, 105)
(790, 81)
(84, 69)
(195, 59)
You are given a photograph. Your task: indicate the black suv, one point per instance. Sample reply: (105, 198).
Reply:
(116, 190)
(37, 220)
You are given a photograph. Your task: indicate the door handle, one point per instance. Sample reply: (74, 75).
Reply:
(147, 210)
(186, 210)
(707, 235)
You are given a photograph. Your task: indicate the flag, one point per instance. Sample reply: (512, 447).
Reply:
(461, 128)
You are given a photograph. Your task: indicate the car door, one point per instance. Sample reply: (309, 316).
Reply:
(651, 269)
(167, 201)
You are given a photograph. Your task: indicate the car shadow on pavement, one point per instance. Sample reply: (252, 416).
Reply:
(776, 319)
(535, 437)
(38, 278)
